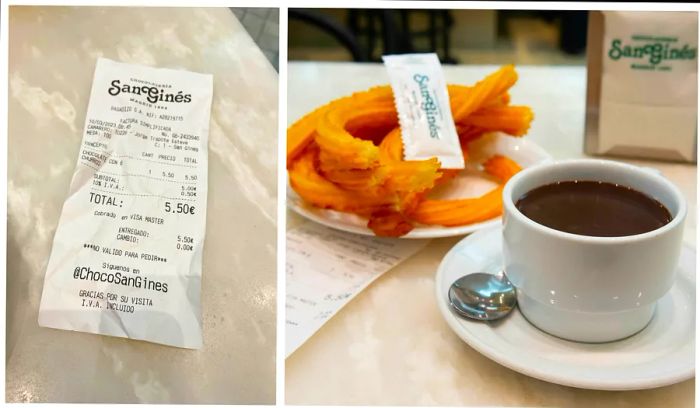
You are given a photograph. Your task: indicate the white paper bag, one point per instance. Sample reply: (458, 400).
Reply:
(644, 66)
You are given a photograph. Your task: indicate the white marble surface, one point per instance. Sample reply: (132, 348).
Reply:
(52, 58)
(390, 346)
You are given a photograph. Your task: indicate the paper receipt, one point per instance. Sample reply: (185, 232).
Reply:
(327, 268)
(127, 253)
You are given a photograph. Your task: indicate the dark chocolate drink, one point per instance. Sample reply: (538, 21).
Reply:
(593, 208)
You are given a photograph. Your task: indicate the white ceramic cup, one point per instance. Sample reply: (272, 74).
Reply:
(585, 288)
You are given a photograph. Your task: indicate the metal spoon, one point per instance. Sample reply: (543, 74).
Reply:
(482, 296)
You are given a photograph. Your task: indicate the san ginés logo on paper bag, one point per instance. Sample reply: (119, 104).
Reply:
(643, 78)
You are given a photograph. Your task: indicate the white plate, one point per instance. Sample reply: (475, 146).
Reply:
(661, 354)
(469, 183)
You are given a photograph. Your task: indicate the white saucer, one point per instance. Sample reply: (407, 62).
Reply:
(469, 183)
(661, 354)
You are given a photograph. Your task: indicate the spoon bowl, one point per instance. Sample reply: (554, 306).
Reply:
(482, 296)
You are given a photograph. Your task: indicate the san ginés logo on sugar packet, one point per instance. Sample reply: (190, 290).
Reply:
(649, 52)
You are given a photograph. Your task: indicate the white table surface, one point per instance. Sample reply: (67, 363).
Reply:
(390, 345)
(52, 58)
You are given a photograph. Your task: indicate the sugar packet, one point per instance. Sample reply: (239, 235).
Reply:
(423, 106)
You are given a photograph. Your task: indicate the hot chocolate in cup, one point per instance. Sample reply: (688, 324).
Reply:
(590, 288)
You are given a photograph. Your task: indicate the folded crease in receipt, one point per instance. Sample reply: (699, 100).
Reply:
(127, 253)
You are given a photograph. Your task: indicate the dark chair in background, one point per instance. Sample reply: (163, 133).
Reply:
(390, 32)
(573, 27)
(334, 28)
(370, 33)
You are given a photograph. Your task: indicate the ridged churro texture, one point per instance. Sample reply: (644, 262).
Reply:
(348, 156)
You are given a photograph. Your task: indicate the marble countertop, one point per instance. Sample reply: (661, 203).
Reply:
(52, 58)
(363, 357)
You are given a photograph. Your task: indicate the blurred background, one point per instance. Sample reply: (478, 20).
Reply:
(262, 24)
(458, 36)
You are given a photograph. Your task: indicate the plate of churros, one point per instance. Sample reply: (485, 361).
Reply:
(347, 171)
